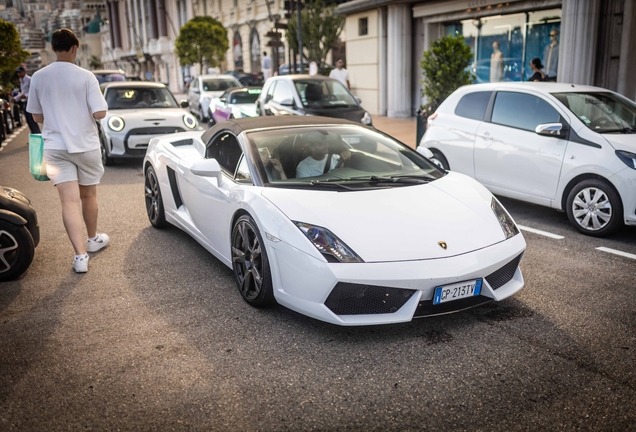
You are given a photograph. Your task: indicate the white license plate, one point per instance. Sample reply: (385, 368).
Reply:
(457, 291)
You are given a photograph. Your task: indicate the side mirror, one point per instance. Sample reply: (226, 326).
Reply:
(425, 152)
(206, 168)
(358, 99)
(549, 129)
(184, 103)
(287, 102)
(222, 100)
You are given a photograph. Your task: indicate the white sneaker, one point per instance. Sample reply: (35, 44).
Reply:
(80, 265)
(99, 242)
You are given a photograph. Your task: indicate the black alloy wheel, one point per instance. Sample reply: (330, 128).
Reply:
(250, 263)
(595, 208)
(9, 122)
(154, 201)
(16, 250)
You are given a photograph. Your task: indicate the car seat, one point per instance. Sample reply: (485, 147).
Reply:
(313, 93)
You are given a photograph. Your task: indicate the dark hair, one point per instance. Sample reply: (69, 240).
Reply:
(63, 40)
(537, 63)
(264, 53)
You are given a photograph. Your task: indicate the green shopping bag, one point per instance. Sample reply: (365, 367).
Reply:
(37, 164)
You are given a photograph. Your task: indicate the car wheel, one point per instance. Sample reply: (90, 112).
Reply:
(439, 159)
(10, 124)
(16, 250)
(250, 263)
(594, 208)
(106, 160)
(154, 201)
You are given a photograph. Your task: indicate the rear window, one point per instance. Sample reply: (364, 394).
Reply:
(473, 105)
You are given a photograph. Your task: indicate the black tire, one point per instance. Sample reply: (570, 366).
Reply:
(106, 160)
(16, 250)
(9, 122)
(154, 201)
(250, 264)
(594, 208)
(439, 159)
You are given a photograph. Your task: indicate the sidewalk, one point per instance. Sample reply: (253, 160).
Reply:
(402, 129)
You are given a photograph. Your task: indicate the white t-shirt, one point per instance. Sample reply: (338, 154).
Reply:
(310, 167)
(341, 75)
(67, 96)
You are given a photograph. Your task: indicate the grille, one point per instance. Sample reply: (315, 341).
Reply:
(155, 131)
(502, 276)
(427, 308)
(355, 299)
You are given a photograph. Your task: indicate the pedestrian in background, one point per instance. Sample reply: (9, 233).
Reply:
(67, 99)
(266, 64)
(23, 97)
(536, 66)
(340, 73)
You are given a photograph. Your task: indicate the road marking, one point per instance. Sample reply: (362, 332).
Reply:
(543, 233)
(15, 133)
(617, 252)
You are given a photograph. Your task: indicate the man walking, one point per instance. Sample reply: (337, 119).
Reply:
(67, 99)
(266, 64)
(23, 96)
(340, 73)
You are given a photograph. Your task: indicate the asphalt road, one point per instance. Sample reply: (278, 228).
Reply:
(156, 337)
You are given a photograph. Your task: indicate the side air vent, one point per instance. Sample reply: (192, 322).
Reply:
(502, 276)
(183, 142)
(172, 178)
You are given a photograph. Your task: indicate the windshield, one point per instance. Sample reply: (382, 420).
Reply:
(324, 94)
(350, 156)
(139, 97)
(602, 112)
(244, 97)
(110, 77)
(218, 84)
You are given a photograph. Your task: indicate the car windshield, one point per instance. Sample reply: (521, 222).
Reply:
(603, 112)
(323, 94)
(109, 77)
(349, 157)
(139, 97)
(244, 97)
(218, 84)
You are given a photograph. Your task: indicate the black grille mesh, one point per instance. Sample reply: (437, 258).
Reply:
(355, 299)
(502, 276)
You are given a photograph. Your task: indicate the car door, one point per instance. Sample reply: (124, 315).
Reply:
(510, 157)
(282, 101)
(211, 201)
(193, 96)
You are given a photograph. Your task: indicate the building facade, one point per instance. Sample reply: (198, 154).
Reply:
(580, 41)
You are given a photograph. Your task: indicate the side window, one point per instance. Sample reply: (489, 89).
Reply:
(194, 85)
(522, 111)
(282, 92)
(270, 92)
(226, 150)
(473, 105)
(243, 172)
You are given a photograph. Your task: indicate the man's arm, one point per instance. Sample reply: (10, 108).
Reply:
(39, 118)
(97, 116)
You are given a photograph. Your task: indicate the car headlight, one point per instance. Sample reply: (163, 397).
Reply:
(627, 157)
(366, 119)
(507, 224)
(331, 247)
(116, 123)
(189, 121)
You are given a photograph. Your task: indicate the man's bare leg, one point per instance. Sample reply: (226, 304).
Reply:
(72, 215)
(88, 196)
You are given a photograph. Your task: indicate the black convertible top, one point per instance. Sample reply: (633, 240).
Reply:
(236, 126)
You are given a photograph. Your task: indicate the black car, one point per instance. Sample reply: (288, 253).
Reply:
(310, 95)
(247, 79)
(19, 233)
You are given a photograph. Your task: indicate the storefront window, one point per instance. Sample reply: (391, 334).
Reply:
(504, 45)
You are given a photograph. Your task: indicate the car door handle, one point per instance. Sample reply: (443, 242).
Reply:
(486, 136)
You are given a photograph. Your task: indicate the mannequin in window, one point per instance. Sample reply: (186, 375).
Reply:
(551, 57)
(496, 63)
(536, 67)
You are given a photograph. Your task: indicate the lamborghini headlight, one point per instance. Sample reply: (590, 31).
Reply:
(116, 123)
(507, 224)
(189, 121)
(331, 247)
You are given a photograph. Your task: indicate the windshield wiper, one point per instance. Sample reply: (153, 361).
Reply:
(415, 179)
(327, 183)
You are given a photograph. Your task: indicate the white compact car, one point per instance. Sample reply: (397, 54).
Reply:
(334, 220)
(565, 146)
(205, 88)
(137, 112)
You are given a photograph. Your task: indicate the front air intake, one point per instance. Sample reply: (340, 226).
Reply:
(502, 276)
(355, 299)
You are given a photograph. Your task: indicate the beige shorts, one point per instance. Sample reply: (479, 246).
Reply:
(86, 168)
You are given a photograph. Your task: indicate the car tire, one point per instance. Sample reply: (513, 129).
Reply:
(594, 208)
(9, 122)
(250, 263)
(439, 159)
(154, 200)
(16, 250)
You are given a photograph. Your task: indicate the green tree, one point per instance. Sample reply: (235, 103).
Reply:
(445, 70)
(95, 62)
(11, 53)
(321, 28)
(202, 39)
